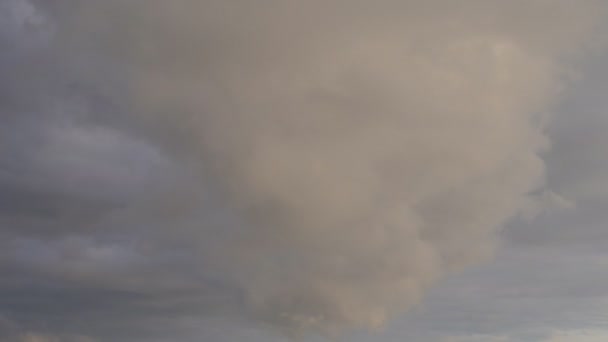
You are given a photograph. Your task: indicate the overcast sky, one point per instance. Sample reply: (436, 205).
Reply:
(271, 171)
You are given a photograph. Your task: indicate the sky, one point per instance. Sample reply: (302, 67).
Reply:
(277, 171)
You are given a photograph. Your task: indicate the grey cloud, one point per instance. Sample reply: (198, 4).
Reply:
(553, 291)
(549, 276)
(577, 163)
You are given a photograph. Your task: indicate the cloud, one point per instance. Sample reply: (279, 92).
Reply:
(32, 337)
(577, 165)
(475, 338)
(315, 166)
(10, 332)
(367, 150)
(579, 336)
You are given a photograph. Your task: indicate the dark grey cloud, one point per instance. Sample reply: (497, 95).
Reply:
(65, 168)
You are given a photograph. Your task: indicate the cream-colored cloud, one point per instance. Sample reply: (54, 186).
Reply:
(368, 148)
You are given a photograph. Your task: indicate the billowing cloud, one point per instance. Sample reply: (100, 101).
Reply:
(367, 150)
